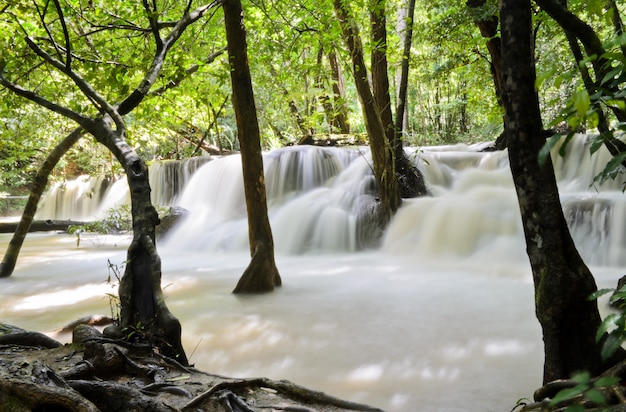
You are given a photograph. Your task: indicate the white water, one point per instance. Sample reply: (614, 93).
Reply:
(439, 318)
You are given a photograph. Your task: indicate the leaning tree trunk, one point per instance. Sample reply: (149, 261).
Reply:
(261, 275)
(143, 312)
(39, 185)
(382, 152)
(562, 281)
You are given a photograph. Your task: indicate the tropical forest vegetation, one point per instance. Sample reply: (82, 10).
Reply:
(105, 88)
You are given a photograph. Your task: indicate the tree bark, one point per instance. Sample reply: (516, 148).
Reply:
(39, 185)
(403, 77)
(340, 115)
(261, 275)
(410, 179)
(380, 77)
(382, 152)
(562, 280)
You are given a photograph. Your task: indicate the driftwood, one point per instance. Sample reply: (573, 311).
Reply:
(95, 373)
(41, 225)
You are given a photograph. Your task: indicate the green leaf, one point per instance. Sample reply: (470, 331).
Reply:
(597, 143)
(611, 168)
(566, 394)
(610, 75)
(582, 102)
(601, 292)
(607, 323)
(547, 147)
(605, 381)
(595, 396)
(541, 77)
(610, 346)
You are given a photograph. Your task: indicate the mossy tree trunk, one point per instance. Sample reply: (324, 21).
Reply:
(382, 150)
(261, 275)
(563, 282)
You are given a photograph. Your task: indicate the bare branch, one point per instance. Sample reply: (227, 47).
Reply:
(66, 35)
(42, 15)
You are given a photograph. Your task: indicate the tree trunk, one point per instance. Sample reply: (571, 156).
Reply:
(410, 179)
(340, 117)
(562, 280)
(403, 76)
(380, 77)
(261, 275)
(143, 312)
(39, 185)
(382, 152)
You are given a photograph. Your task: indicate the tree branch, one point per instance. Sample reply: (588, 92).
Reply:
(142, 90)
(186, 73)
(42, 15)
(154, 26)
(99, 102)
(35, 98)
(66, 36)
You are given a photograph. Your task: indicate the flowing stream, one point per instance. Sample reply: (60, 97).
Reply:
(436, 316)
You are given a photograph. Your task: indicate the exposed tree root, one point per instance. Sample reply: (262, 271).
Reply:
(103, 374)
(614, 395)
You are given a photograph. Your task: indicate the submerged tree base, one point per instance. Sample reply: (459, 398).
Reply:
(95, 373)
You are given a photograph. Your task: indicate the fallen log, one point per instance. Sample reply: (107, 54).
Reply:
(41, 225)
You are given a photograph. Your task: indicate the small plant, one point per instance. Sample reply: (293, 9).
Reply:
(117, 220)
(114, 277)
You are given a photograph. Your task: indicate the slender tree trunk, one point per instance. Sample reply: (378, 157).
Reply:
(410, 179)
(403, 78)
(380, 76)
(340, 118)
(562, 280)
(39, 185)
(261, 275)
(382, 152)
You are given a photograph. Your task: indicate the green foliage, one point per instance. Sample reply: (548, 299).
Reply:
(451, 94)
(585, 388)
(117, 220)
(612, 330)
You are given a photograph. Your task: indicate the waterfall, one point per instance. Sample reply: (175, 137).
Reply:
(444, 299)
(322, 200)
(91, 197)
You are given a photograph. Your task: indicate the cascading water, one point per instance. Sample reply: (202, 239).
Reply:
(437, 315)
(88, 198)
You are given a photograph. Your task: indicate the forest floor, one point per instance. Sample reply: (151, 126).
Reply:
(94, 373)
